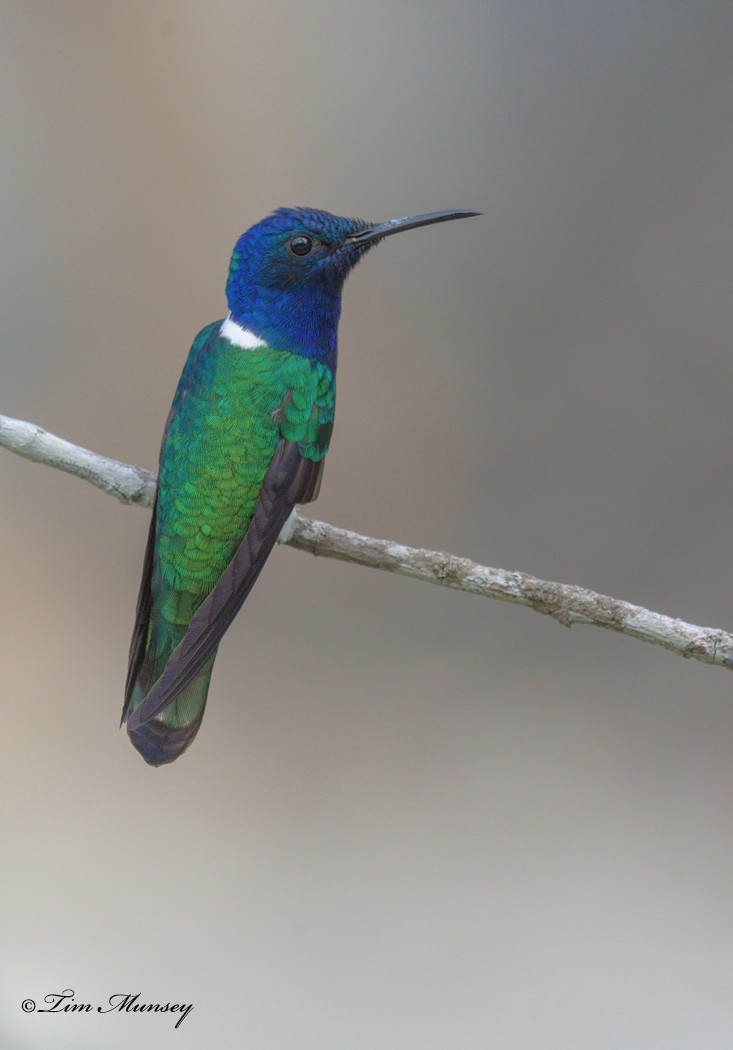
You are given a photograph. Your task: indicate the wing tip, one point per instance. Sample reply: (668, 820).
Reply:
(160, 744)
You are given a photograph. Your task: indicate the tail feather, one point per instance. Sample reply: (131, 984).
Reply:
(167, 735)
(161, 739)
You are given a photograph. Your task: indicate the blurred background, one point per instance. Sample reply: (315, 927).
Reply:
(412, 818)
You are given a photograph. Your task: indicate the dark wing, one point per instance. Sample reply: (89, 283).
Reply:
(290, 479)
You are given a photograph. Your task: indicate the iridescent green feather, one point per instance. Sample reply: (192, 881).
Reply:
(232, 408)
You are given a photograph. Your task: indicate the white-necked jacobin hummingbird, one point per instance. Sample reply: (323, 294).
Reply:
(244, 442)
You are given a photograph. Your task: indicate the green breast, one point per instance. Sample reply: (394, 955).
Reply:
(232, 408)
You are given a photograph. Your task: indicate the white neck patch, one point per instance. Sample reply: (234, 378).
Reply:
(239, 336)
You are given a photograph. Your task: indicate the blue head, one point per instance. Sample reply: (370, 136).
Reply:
(288, 271)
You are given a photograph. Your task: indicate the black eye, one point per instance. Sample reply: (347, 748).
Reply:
(300, 244)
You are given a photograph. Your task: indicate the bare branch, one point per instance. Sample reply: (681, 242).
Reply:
(564, 602)
(128, 483)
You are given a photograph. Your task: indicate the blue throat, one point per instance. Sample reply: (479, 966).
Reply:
(303, 319)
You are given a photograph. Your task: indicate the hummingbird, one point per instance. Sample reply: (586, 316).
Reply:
(244, 443)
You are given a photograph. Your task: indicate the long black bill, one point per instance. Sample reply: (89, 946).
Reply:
(385, 229)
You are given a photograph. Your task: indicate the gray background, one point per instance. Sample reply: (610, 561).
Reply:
(412, 819)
